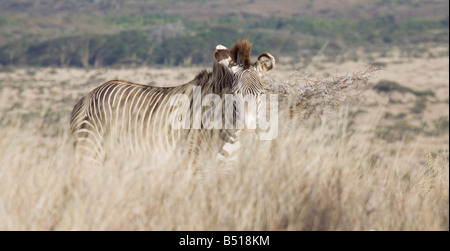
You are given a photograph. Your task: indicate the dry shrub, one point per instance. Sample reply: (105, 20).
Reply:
(306, 96)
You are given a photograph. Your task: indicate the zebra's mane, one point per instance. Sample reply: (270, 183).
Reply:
(219, 80)
(240, 53)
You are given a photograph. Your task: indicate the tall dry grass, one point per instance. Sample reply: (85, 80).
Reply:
(315, 175)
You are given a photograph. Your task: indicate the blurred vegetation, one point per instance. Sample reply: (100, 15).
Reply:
(170, 39)
(403, 130)
(419, 106)
(388, 86)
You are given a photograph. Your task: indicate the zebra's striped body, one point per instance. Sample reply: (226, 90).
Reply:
(138, 113)
(137, 116)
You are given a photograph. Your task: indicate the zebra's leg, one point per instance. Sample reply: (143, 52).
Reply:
(229, 153)
(192, 149)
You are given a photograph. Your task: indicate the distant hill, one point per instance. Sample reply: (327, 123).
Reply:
(171, 32)
(202, 9)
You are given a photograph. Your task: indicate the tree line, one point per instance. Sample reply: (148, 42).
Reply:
(288, 36)
(133, 47)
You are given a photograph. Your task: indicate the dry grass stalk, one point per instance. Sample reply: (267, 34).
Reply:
(309, 178)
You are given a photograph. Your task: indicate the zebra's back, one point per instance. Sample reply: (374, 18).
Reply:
(127, 114)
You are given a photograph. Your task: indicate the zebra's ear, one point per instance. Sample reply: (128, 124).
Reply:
(265, 62)
(222, 55)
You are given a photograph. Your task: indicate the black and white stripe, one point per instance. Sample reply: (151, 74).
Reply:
(137, 116)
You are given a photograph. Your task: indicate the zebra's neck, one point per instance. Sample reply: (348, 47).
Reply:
(219, 81)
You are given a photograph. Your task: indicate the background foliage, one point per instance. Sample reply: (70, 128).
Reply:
(176, 33)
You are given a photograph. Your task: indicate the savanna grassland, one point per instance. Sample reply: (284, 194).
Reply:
(374, 164)
(357, 149)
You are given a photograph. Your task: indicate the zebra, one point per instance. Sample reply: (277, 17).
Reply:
(139, 115)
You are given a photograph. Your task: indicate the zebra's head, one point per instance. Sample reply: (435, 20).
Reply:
(247, 77)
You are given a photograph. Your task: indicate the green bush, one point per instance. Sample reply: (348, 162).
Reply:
(80, 50)
(14, 53)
